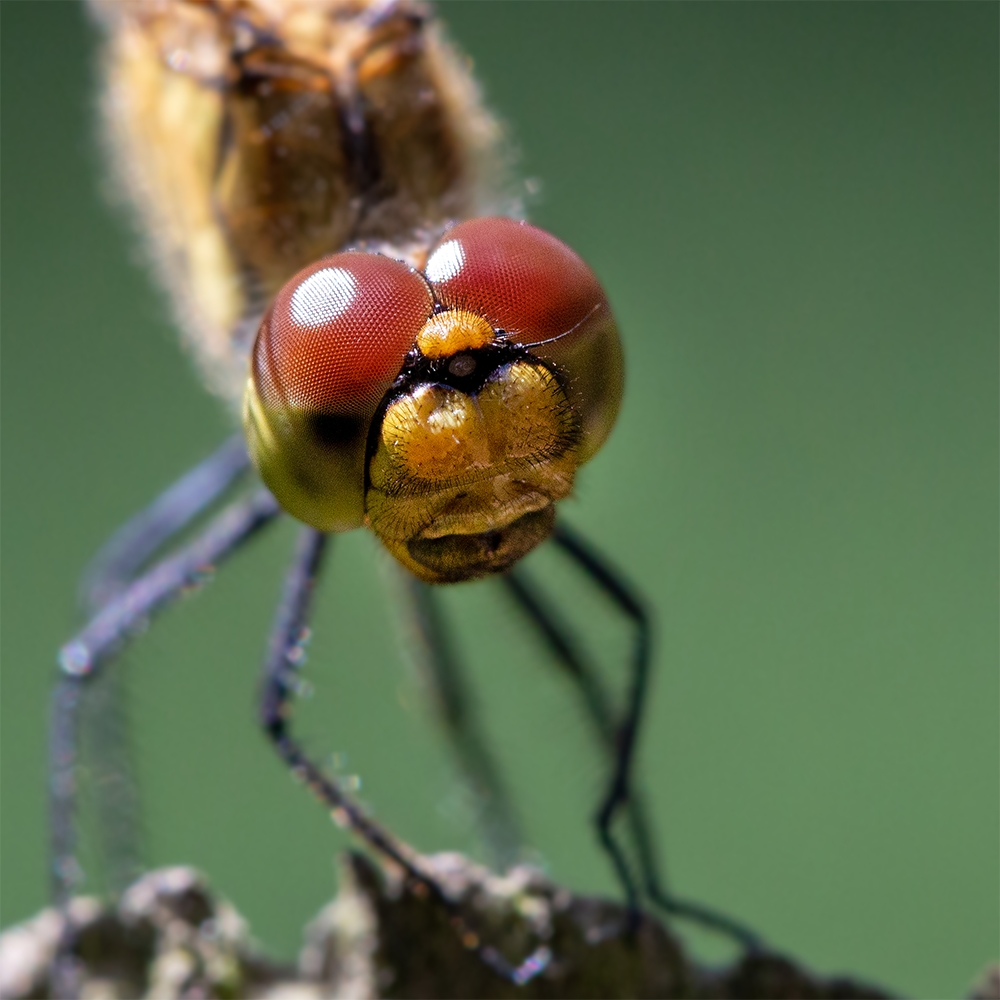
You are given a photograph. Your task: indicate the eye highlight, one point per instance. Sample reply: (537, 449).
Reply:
(323, 297)
(520, 278)
(337, 334)
(446, 262)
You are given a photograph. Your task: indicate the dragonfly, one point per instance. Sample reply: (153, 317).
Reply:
(328, 202)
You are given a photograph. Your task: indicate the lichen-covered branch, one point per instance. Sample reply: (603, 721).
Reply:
(170, 936)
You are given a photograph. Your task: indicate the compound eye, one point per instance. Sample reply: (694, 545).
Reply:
(520, 278)
(337, 334)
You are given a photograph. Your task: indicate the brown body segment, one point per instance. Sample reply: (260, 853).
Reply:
(255, 136)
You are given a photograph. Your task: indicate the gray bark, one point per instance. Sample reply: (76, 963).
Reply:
(169, 936)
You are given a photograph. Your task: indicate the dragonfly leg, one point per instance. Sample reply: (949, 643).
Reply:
(105, 732)
(456, 712)
(625, 733)
(277, 690)
(618, 740)
(85, 658)
(138, 539)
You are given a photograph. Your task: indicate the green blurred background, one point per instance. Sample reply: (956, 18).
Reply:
(794, 211)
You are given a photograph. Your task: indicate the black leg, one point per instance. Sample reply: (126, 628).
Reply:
(87, 653)
(626, 731)
(136, 541)
(620, 794)
(85, 659)
(106, 776)
(278, 687)
(456, 712)
(104, 736)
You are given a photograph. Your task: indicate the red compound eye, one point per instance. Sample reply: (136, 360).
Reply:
(336, 336)
(522, 279)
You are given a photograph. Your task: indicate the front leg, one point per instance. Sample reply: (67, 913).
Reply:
(278, 685)
(84, 660)
(617, 736)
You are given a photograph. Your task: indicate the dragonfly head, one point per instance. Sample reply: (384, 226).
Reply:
(447, 410)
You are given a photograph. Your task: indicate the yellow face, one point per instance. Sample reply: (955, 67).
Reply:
(467, 467)
(446, 410)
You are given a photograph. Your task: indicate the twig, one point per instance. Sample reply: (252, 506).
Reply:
(170, 936)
